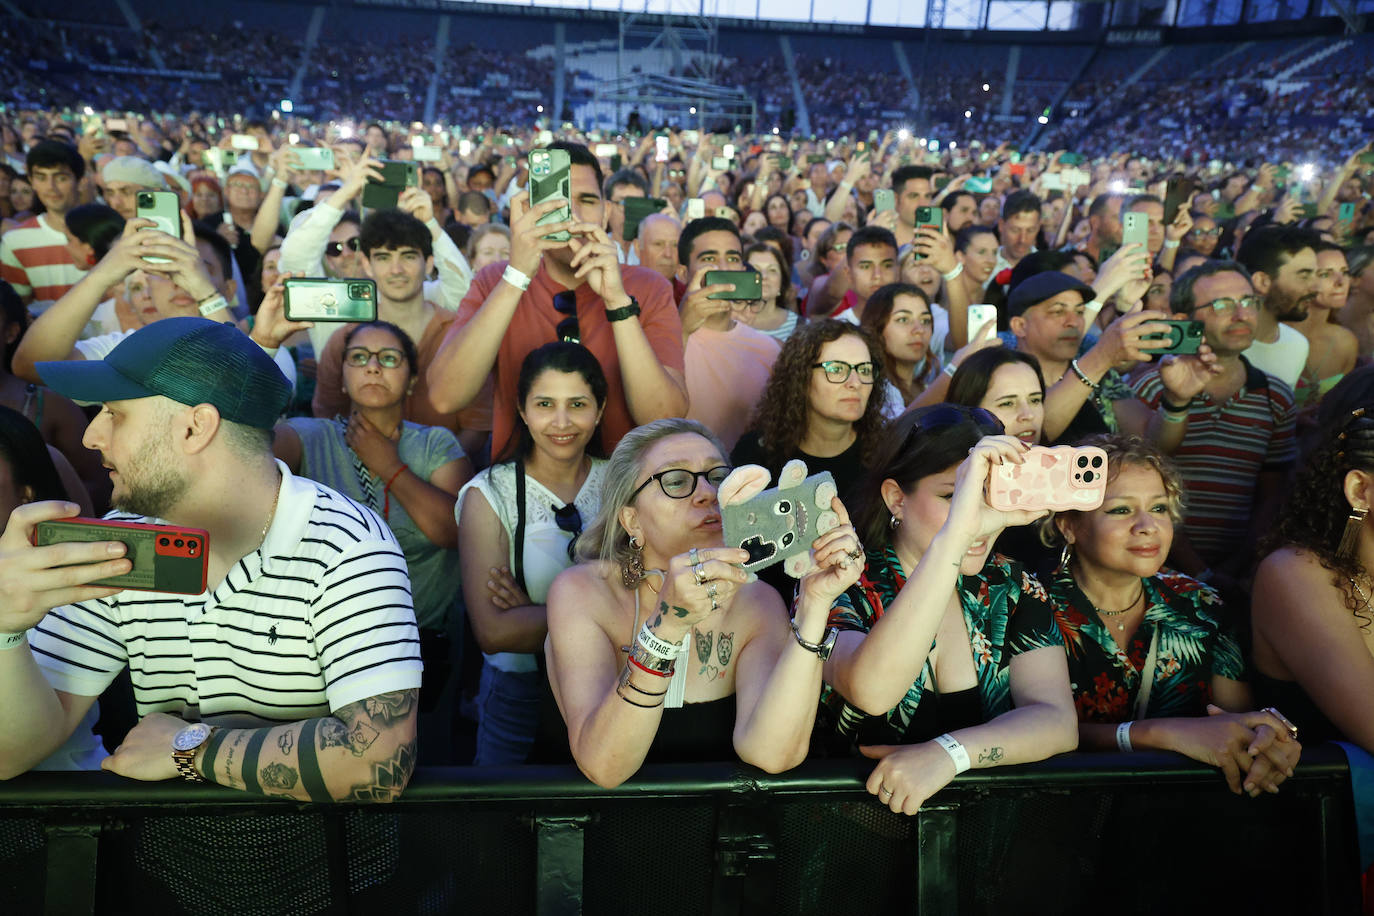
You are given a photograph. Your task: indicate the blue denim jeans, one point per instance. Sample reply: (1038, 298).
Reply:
(508, 715)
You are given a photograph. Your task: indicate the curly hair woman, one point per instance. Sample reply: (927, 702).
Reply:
(1311, 613)
(819, 405)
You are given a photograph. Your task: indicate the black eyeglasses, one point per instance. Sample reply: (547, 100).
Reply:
(334, 249)
(680, 483)
(837, 371)
(565, 303)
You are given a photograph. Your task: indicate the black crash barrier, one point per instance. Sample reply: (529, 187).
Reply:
(1085, 833)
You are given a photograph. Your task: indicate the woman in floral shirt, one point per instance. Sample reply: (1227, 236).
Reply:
(930, 639)
(1152, 662)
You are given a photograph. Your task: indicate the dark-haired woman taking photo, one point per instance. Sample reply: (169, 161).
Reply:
(517, 521)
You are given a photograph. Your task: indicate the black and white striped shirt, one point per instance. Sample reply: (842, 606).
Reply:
(319, 617)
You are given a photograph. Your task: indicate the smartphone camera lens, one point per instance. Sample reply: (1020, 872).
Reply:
(1082, 461)
(145, 200)
(1097, 461)
(179, 542)
(164, 541)
(1087, 476)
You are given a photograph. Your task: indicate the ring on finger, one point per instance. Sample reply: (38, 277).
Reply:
(711, 591)
(694, 557)
(1292, 729)
(699, 573)
(884, 790)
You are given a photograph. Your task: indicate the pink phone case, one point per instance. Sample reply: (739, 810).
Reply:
(1059, 478)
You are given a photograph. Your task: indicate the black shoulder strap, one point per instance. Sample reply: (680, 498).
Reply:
(519, 569)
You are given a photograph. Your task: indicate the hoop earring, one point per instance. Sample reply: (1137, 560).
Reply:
(632, 569)
(893, 522)
(1065, 556)
(1353, 523)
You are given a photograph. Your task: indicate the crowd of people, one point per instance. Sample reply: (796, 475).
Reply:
(535, 439)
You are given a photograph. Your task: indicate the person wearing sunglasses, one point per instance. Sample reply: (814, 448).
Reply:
(938, 665)
(1230, 428)
(661, 648)
(517, 522)
(408, 474)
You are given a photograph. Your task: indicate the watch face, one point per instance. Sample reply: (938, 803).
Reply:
(190, 737)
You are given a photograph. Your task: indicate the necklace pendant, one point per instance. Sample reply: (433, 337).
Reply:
(1121, 627)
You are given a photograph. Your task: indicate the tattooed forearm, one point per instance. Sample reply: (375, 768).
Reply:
(286, 741)
(389, 778)
(991, 755)
(278, 776)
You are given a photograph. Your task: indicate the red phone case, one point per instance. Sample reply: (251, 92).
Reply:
(1059, 478)
(166, 558)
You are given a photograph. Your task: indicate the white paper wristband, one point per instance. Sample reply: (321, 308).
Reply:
(1123, 738)
(956, 752)
(516, 278)
(12, 640)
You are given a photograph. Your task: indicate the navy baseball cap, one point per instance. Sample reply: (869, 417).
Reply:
(190, 360)
(1036, 288)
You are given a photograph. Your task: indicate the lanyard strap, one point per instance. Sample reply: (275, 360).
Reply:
(1147, 677)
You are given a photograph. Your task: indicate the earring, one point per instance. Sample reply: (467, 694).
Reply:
(894, 522)
(632, 569)
(1065, 556)
(1353, 523)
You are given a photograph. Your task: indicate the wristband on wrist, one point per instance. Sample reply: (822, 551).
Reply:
(1073, 364)
(950, 369)
(637, 659)
(212, 303)
(517, 278)
(1123, 738)
(12, 640)
(1171, 243)
(956, 752)
(953, 274)
(1171, 417)
(1173, 408)
(659, 648)
(432, 225)
(278, 183)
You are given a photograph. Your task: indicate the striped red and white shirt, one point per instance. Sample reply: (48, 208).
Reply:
(34, 260)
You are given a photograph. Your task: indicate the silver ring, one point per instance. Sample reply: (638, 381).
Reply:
(884, 790)
(694, 557)
(711, 590)
(857, 552)
(699, 574)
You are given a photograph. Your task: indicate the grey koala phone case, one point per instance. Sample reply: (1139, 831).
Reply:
(781, 522)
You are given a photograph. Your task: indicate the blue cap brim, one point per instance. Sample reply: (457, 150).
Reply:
(92, 381)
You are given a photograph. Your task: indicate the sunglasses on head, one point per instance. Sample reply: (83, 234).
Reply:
(334, 249)
(565, 303)
(568, 519)
(947, 415)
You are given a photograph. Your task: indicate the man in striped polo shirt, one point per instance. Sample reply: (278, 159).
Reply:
(295, 673)
(34, 257)
(1230, 429)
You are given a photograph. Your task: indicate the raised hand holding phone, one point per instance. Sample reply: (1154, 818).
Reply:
(35, 580)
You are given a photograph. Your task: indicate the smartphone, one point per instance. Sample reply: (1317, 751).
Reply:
(1178, 192)
(616, 163)
(244, 142)
(119, 124)
(782, 522)
(1182, 337)
(720, 163)
(606, 149)
(1071, 159)
(316, 158)
(164, 209)
(815, 159)
(728, 213)
(1135, 229)
(884, 200)
(728, 151)
(941, 182)
(860, 146)
(748, 284)
(220, 160)
(978, 186)
(427, 153)
(696, 209)
(549, 177)
(978, 316)
(397, 175)
(1366, 159)
(636, 210)
(1060, 478)
(1075, 178)
(328, 299)
(165, 558)
(784, 163)
(928, 216)
(661, 148)
(1346, 214)
(1052, 181)
(465, 147)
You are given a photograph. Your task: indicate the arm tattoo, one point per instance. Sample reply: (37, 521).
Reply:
(207, 765)
(389, 777)
(229, 757)
(286, 742)
(389, 708)
(278, 776)
(992, 755)
(312, 777)
(680, 611)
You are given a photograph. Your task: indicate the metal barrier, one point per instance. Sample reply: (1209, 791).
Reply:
(1084, 833)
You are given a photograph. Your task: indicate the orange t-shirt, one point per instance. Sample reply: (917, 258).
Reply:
(534, 324)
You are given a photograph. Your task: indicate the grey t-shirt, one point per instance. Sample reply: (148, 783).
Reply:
(326, 457)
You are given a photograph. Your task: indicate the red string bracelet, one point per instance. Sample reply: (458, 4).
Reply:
(386, 492)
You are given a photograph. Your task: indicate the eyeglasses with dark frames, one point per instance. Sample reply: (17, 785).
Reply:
(680, 483)
(334, 249)
(838, 371)
(387, 357)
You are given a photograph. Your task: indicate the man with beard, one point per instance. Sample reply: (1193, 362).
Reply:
(1283, 267)
(303, 697)
(1230, 429)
